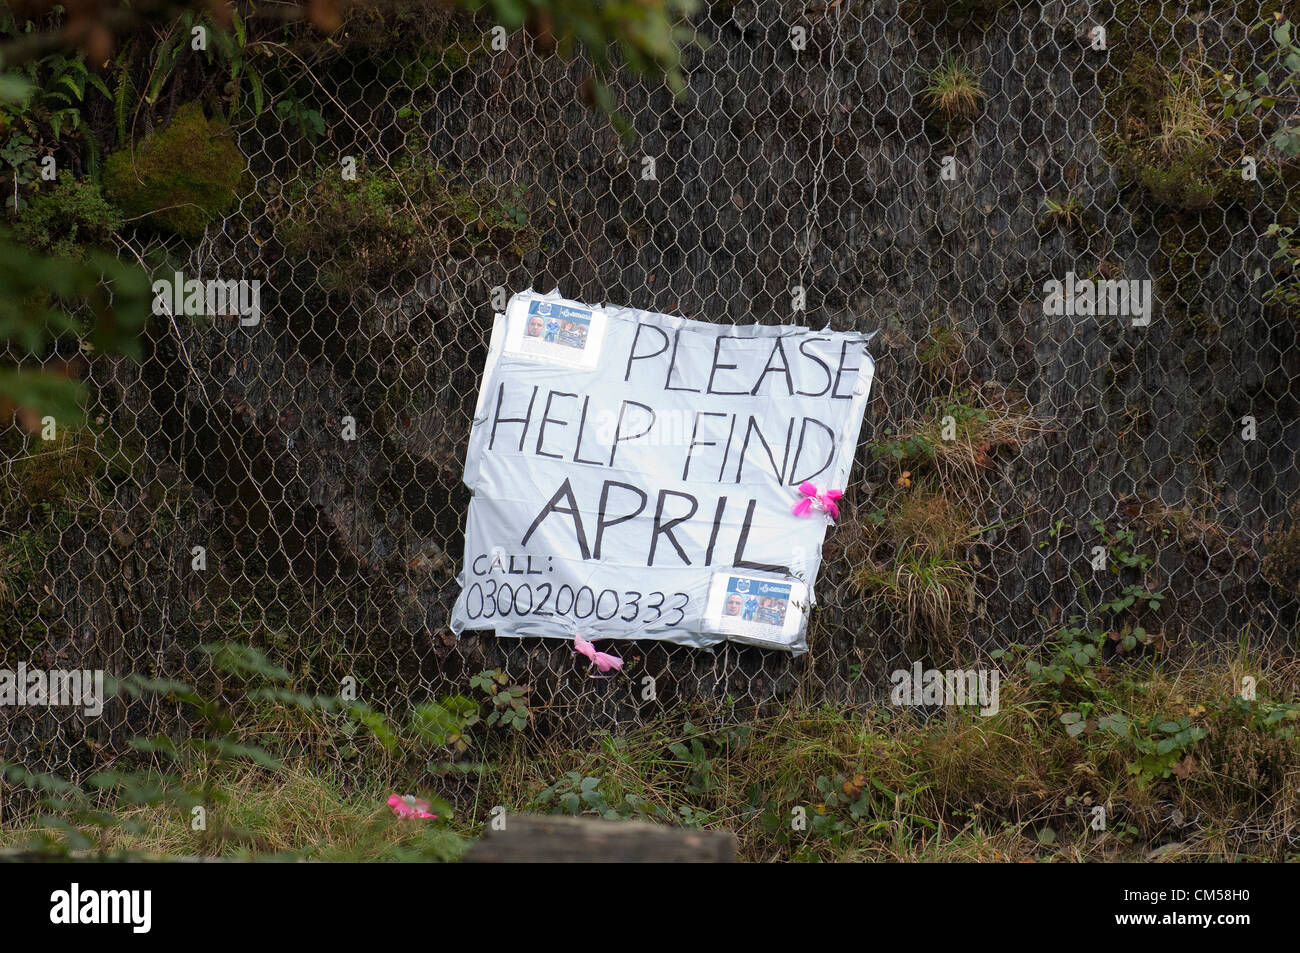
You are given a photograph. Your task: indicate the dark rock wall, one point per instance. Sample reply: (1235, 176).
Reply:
(818, 168)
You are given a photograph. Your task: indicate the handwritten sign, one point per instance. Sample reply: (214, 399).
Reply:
(633, 474)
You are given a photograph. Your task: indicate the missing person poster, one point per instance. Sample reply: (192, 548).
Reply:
(633, 474)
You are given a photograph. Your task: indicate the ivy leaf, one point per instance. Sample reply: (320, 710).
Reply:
(1115, 724)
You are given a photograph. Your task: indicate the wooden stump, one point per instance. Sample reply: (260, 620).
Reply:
(529, 838)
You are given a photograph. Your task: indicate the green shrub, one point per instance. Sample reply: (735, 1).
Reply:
(182, 178)
(65, 220)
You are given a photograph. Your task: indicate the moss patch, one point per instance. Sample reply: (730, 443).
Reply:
(393, 220)
(180, 179)
(953, 14)
(52, 476)
(434, 65)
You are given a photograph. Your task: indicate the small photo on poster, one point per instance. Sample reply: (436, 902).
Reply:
(555, 332)
(765, 610)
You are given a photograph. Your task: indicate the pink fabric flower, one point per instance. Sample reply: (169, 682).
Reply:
(815, 499)
(410, 806)
(602, 661)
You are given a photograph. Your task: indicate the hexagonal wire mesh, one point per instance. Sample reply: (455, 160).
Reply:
(919, 168)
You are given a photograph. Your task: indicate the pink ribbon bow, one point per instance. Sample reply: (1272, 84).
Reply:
(603, 661)
(814, 498)
(410, 806)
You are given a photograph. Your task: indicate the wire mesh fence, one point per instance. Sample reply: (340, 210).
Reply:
(926, 170)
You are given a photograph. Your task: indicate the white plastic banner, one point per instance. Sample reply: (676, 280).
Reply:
(633, 474)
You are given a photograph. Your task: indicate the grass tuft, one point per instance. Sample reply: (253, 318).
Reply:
(954, 90)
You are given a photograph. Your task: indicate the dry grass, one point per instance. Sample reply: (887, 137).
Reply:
(954, 90)
(957, 787)
(913, 553)
(912, 559)
(928, 523)
(966, 788)
(1066, 212)
(932, 592)
(1188, 526)
(1188, 118)
(961, 433)
(298, 811)
(916, 561)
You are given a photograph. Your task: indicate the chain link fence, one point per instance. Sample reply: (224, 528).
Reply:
(925, 169)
